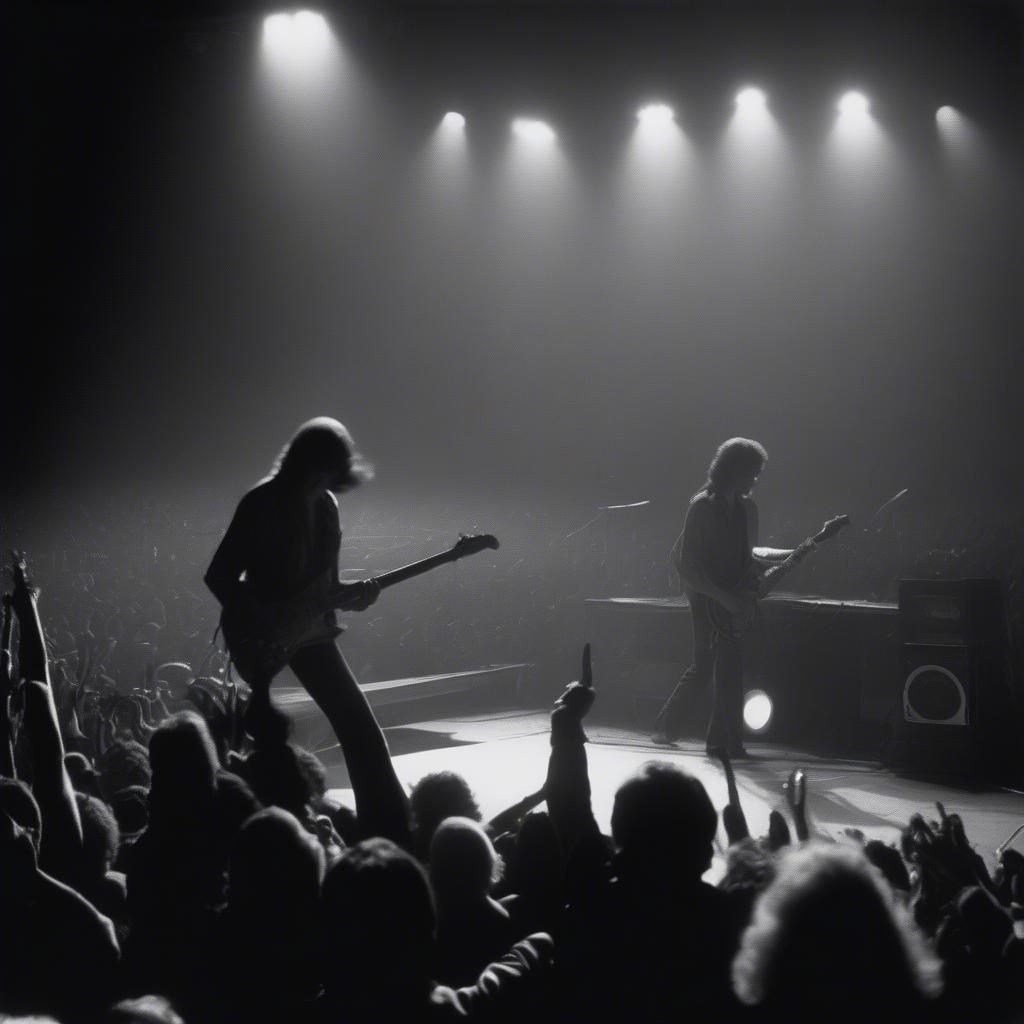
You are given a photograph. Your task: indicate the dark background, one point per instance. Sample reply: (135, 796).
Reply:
(199, 263)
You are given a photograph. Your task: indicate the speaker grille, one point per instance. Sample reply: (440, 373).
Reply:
(934, 695)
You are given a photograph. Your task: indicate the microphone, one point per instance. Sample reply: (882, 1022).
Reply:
(895, 497)
(619, 508)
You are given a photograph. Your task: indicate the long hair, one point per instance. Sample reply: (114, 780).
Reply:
(730, 458)
(828, 931)
(322, 445)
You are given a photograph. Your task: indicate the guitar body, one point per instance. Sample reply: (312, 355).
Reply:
(733, 626)
(756, 584)
(260, 647)
(262, 642)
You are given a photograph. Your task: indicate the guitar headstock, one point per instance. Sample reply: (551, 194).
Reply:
(831, 528)
(471, 544)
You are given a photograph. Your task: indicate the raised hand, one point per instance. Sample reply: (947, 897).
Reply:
(6, 654)
(578, 698)
(778, 832)
(24, 593)
(733, 819)
(795, 789)
(575, 701)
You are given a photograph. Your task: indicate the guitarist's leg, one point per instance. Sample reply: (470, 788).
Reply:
(381, 803)
(265, 723)
(726, 726)
(696, 677)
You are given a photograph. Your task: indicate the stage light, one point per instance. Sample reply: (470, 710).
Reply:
(757, 711)
(656, 115)
(310, 28)
(296, 36)
(453, 121)
(532, 131)
(277, 30)
(947, 117)
(854, 104)
(751, 100)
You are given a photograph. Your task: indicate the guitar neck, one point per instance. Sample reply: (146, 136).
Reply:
(407, 572)
(777, 573)
(328, 602)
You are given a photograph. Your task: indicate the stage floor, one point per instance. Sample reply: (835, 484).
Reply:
(503, 756)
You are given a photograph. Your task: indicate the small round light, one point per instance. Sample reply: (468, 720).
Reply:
(757, 710)
(656, 115)
(453, 120)
(947, 117)
(853, 104)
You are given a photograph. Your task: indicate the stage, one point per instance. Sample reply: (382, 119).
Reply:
(503, 756)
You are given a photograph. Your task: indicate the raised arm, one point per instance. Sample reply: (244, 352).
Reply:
(509, 818)
(796, 796)
(6, 689)
(60, 851)
(568, 780)
(736, 828)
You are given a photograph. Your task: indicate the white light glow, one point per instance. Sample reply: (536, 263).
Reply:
(948, 117)
(751, 100)
(656, 115)
(295, 37)
(532, 131)
(310, 29)
(277, 30)
(453, 121)
(854, 104)
(757, 710)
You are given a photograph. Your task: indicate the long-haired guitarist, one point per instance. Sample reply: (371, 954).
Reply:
(284, 540)
(712, 555)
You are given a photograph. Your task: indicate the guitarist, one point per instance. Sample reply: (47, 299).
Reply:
(714, 551)
(285, 536)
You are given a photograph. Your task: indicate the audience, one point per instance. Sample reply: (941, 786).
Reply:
(159, 864)
(472, 928)
(828, 933)
(434, 798)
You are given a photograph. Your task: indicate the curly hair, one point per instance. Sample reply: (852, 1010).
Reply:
(101, 835)
(732, 456)
(828, 931)
(437, 796)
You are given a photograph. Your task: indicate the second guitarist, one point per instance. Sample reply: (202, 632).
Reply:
(714, 550)
(285, 536)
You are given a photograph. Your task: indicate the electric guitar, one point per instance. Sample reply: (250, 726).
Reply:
(755, 584)
(261, 642)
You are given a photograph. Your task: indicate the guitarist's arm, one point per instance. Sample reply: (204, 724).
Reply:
(224, 576)
(769, 556)
(761, 555)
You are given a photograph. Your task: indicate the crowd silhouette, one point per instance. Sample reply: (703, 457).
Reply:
(159, 864)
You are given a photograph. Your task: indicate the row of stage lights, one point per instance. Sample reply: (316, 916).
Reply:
(852, 106)
(298, 36)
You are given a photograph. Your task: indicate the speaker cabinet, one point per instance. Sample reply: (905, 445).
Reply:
(958, 710)
(936, 688)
